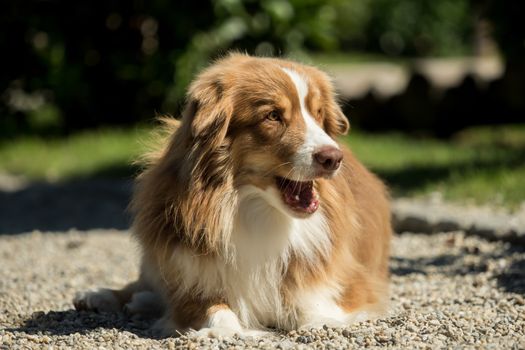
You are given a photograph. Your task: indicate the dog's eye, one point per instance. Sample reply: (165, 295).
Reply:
(274, 116)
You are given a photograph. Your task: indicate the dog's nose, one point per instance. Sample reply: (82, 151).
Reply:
(329, 158)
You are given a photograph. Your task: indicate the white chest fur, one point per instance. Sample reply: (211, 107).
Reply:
(262, 242)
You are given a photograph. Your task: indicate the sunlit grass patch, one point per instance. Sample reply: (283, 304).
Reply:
(98, 152)
(482, 165)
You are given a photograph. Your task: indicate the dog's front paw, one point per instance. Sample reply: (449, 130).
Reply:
(214, 332)
(102, 300)
(225, 332)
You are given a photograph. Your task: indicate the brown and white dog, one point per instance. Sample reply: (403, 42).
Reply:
(252, 216)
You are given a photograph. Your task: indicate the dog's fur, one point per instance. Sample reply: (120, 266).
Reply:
(221, 249)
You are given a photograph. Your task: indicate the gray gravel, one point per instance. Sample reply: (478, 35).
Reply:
(432, 214)
(448, 290)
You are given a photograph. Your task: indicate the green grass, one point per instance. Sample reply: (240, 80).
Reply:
(107, 152)
(482, 165)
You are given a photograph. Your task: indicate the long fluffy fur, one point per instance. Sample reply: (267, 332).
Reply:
(211, 237)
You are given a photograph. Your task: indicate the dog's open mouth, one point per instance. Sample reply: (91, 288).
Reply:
(300, 196)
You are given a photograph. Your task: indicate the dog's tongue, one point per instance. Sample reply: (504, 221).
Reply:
(300, 196)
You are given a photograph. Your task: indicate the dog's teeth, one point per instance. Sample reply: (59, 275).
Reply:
(296, 197)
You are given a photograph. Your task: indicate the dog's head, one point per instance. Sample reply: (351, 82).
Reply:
(267, 123)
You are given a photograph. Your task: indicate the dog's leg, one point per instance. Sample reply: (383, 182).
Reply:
(330, 313)
(139, 298)
(321, 319)
(319, 306)
(215, 321)
(107, 300)
(145, 304)
(166, 327)
(222, 321)
(198, 320)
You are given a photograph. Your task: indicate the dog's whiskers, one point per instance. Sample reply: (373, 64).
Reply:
(275, 168)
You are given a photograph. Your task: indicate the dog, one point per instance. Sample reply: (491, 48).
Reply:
(251, 216)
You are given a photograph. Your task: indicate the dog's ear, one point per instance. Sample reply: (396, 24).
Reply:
(336, 123)
(207, 112)
(206, 120)
(206, 171)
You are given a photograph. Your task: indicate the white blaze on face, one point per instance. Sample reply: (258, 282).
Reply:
(315, 136)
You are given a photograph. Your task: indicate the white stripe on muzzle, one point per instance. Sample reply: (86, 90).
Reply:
(315, 137)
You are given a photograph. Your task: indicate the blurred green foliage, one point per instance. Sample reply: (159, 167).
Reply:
(70, 65)
(86, 63)
(263, 28)
(75, 65)
(406, 27)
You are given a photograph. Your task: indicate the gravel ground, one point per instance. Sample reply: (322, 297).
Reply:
(432, 214)
(448, 290)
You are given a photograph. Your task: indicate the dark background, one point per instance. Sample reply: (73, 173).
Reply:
(72, 65)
